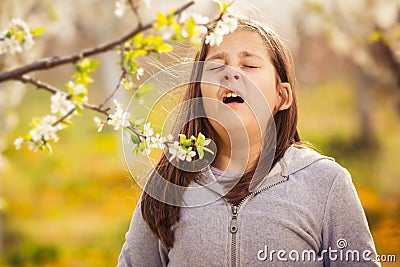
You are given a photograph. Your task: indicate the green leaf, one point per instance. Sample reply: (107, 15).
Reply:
(178, 30)
(132, 66)
(161, 20)
(182, 138)
(205, 142)
(208, 150)
(158, 41)
(190, 26)
(78, 109)
(37, 31)
(200, 152)
(314, 6)
(137, 39)
(46, 147)
(135, 139)
(126, 83)
(139, 52)
(19, 36)
(164, 48)
(200, 138)
(149, 40)
(143, 90)
(139, 127)
(184, 142)
(375, 36)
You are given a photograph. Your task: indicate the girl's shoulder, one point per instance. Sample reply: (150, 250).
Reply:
(306, 163)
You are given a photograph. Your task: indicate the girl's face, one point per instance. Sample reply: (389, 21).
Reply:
(243, 92)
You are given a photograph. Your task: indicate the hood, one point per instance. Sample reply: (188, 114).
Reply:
(295, 159)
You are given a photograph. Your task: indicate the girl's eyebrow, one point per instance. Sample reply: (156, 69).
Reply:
(221, 55)
(243, 54)
(248, 54)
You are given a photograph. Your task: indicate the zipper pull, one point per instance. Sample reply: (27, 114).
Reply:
(234, 225)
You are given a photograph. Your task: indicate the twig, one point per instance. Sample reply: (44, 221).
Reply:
(123, 63)
(63, 118)
(114, 91)
(133, 129)
(52, 62)
(37, 83)
(134, 7)
(41, 85)
(97, 108)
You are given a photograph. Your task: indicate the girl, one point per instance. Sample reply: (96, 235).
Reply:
(265, 199)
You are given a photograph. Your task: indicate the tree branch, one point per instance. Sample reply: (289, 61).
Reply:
(133, 129)
(63, 118)
(37, 83)
(47, 63)
(41, 85)
(114, 91)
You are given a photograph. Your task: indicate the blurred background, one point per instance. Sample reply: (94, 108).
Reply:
(73, 207)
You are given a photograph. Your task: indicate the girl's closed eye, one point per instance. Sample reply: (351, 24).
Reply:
(215, 66)
(250, 66)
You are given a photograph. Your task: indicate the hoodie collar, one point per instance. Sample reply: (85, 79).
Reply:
(295, 159)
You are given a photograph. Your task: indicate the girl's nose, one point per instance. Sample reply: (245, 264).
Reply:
(231, 74)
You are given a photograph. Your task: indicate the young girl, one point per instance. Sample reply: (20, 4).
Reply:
(265, 199)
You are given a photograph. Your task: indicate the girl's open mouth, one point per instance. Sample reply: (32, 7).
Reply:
(232, 98)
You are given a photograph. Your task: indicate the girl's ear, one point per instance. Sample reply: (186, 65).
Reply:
(285, 96)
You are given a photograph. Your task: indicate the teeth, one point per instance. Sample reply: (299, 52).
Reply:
(232, 95)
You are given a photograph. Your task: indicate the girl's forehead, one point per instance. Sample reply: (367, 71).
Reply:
(241, 42)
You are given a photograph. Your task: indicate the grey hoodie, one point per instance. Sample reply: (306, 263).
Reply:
(306, 212)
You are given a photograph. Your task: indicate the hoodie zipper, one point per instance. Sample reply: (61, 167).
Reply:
(234, 225)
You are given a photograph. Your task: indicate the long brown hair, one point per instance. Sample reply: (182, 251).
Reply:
(160, 216)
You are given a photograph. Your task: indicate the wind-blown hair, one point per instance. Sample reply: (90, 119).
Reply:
(161, 217)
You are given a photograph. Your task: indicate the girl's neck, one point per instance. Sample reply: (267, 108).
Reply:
(241, 157)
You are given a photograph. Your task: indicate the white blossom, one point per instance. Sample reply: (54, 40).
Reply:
(148, 147)
(189, 154)
(119, 118)
(167, 32)
(214, 39)
(157, 141)
(147, 3)
(32, 146)
(198, 18)
(78, 89)
(148, 130)
(117, 105)
(11, 44)
(18, 143)
(223, 3)
(78, 92)
(230, 22)
(177, 152)
(46, 129)
(120, 8)
(140, 73)
(99, 124)
(226, 25)
(60, 104)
